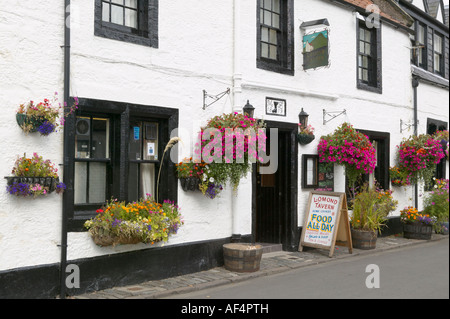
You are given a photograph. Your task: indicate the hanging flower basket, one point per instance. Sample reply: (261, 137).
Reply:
(304, 139)
(190, 183)
(33, 177)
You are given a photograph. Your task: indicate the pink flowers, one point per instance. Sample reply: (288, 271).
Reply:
(350, 148)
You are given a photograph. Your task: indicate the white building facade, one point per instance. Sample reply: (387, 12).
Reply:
(151, 67)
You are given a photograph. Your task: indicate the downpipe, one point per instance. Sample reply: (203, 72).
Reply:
(415, 84)
(63, 262)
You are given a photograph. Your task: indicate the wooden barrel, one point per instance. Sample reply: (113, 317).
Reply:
(241, 257)
(364, 239)
(417, 231)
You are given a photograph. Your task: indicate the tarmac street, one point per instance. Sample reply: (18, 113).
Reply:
(419, 271)
(400, 267)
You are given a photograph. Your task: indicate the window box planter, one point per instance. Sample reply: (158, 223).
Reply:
(49, 182)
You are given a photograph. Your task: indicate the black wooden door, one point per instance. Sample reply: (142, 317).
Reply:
(273, 197)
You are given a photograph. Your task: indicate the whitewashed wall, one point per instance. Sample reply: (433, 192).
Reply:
(196, 52)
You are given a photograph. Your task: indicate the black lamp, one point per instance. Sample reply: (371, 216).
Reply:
(303, 118)
(248, 109)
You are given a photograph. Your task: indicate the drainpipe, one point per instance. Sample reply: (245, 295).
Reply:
(415, 84)
(237, 107)
(66, 101)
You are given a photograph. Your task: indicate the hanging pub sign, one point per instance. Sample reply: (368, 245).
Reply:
(326, 222)
(315, 50)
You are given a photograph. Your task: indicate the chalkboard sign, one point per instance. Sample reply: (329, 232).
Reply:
(326, 177)
(326, 222)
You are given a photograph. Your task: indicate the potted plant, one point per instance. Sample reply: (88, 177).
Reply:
(235, 138)
(34, 177)
(305, 134)
(144, 221)
(399, 177)
(350, 148)
(416, 225)
(371, 206)
(418, 156)
(436, 204)
(43, 116)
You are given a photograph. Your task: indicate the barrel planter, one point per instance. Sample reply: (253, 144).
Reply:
(417, 231)
(241, 257)
(364, 239)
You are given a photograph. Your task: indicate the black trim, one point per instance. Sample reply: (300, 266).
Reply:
(113, 270)
(375, 84)
(285, 62)
(146, 33)
(121, 113)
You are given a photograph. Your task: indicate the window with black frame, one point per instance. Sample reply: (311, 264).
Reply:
(438, 59)
(369, 57)
(134, 21)
(275, 36)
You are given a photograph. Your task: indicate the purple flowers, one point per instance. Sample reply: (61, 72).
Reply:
(46, 128)
(19, 189)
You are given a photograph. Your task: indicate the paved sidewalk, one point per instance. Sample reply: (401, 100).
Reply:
(271, 263)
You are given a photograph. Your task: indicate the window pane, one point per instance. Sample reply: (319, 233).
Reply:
(264, 50)
(275, 21)
(267, 4)
(131, 3)
(105, 12)
(80, 183)
(421, 34)
(117, 15)
(437, 62)
(265, 34)
(437, 43)
(100, 138)
(131, 18)
(267, 18)
(117, 1)
(82, 137)
(276, 6)
(97, 182)
(141, 180)
(365, 75)
(367, 50)
(273, 37)
(273, 52)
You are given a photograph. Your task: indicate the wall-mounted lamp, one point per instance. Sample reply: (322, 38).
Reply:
(248, 109)
(303, 118)
(333, 115)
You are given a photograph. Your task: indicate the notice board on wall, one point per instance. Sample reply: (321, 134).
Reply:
(326, 222)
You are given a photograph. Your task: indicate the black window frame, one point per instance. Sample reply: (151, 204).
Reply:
(120, 115)
(284, 63)
(442, 55)
(434, 125)
(145, 34)
(375, 83)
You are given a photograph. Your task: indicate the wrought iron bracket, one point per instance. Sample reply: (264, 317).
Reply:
(333, 115)
(215, 98)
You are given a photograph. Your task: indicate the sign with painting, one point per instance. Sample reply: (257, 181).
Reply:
(315, 50)
(326, 222)
(275, 106)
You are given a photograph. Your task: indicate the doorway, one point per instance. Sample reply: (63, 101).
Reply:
(275, 195)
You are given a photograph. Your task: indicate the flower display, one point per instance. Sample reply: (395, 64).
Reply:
(436, 202)
(347, 147)
(305, 134)
(34, 177)
(229, 144)
(418, 156)
(43, 116)
(201, 172)
(129, 223)
(371, 206)
(411, 215)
